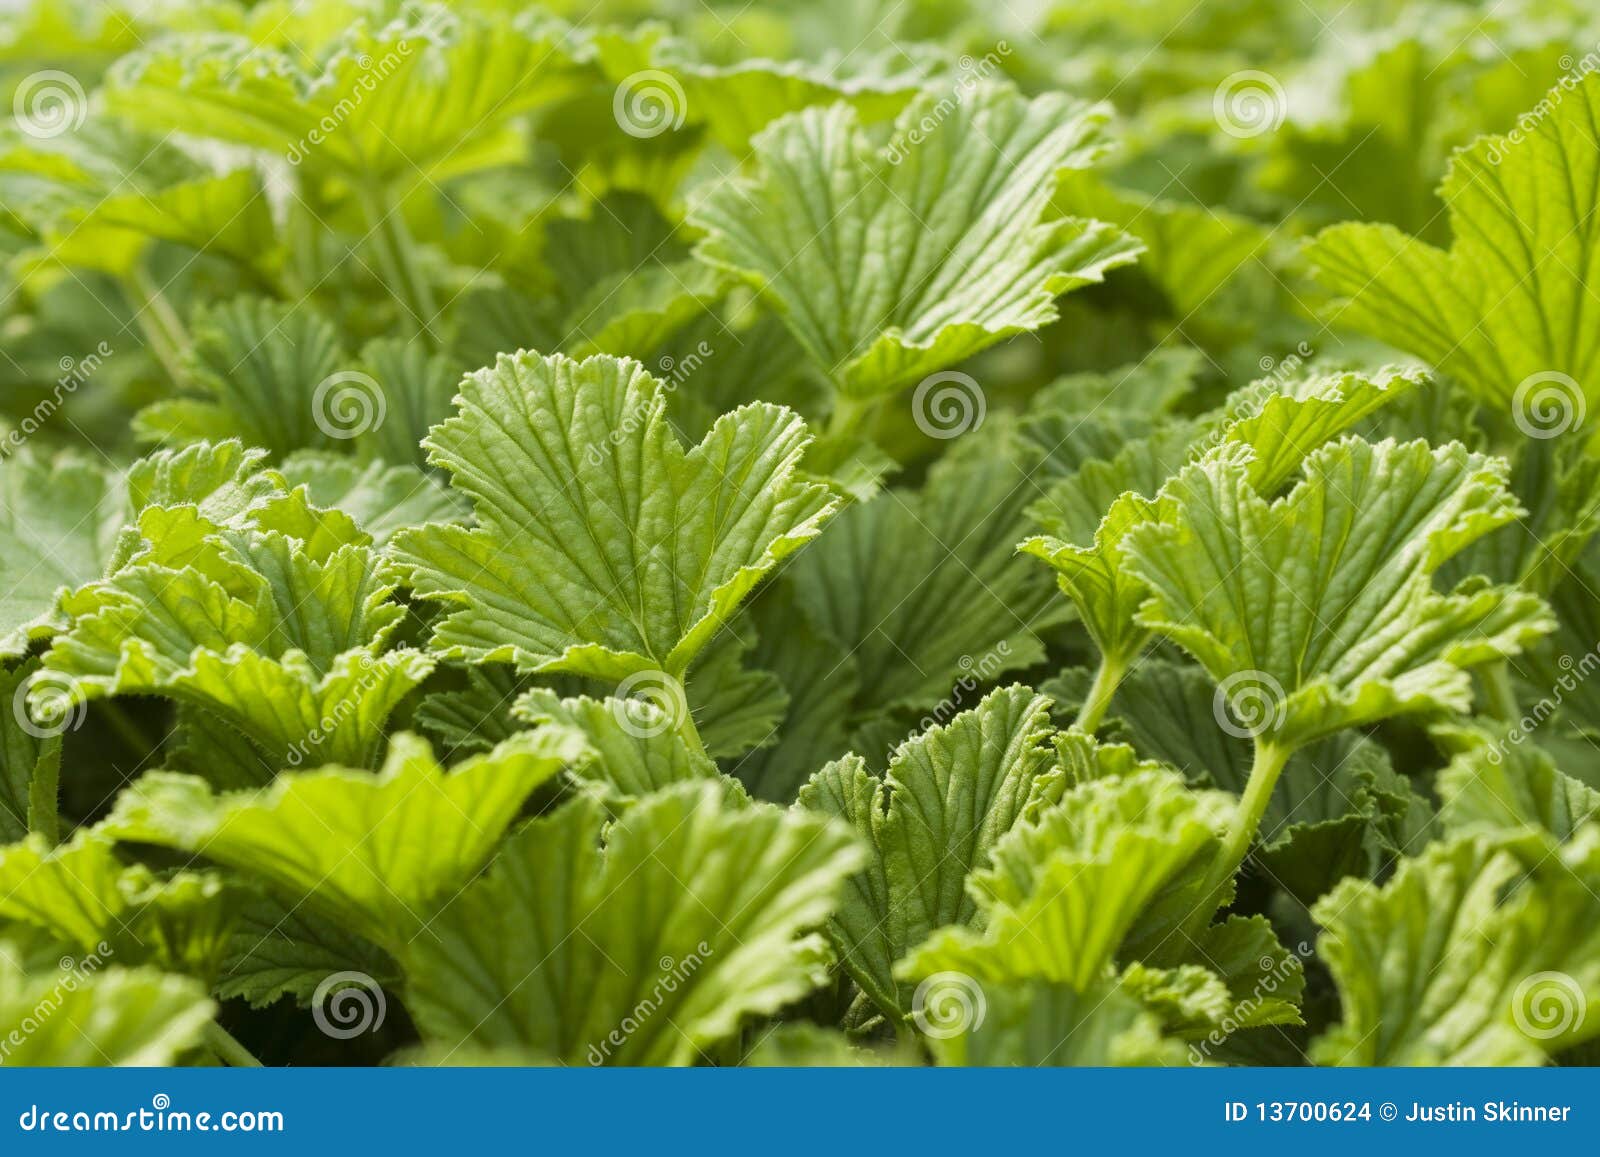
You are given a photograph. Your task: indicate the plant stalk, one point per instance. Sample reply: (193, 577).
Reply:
(164, 333)
(397, 258)
(227, 1047)
(1502, 696)
(1107, 678)
(848, 415)
(1264, 771)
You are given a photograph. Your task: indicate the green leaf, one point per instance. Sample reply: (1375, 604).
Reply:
(99, 196)
(417, 388)
(278, 950)
(1500, 783)
(891, 256)
(931, 819)
(30, 756)
(434, 92)
(799, 1045)
(119, 1016)
(604, 548)
(736, 707)
(276, 626)
(471, 719)
(84, 895)
(637, 748)
(382, 500)
(1506, 309)
(737, 101)
(1464, 958)
(1036, 1023)
(650, 948)
(1089, 515)
(1190, 251)
(1064, 893)
(820, 683)
(1244, 979)
(390, 847)
(259, 365)
(59, 521)
(881, 584)
(1317, 612)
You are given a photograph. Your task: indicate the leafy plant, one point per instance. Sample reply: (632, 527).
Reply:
(725, 537)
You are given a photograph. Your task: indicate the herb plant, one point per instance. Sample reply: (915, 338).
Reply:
(803, 534)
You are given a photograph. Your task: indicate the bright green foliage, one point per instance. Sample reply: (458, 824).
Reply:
(58, 523)
(930, 819)
(567, 977)
(1508, 300)
(276, 625)
(1316, 611)
(390, 848)
(666, 410)
(120, 1016)
(1464, 958)
(603, 547)
(433, 91)
(1063, 894)
(836, 227)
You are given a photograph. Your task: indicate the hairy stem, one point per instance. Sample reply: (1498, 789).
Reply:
(1107, 677)
(691, 735)
(1264, 772)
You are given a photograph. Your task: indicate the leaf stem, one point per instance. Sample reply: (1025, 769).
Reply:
(848, 414)
(1264, 772)
(164, 333)
(1107, 678)
(1502, 696)
(227, 1047)
(691, 735)
(397, 258)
